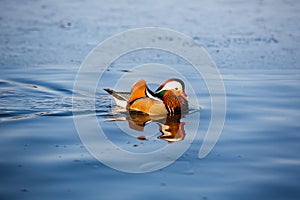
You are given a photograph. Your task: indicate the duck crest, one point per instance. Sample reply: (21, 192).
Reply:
(160, 88)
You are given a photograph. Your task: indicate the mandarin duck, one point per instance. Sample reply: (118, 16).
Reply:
(168, 99)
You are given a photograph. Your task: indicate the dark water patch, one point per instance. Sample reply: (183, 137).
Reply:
(57, 114)
(40, 86)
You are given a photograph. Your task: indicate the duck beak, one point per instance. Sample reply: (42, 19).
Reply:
(184, 95)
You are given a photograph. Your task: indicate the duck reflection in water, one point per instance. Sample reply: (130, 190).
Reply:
(171, 128)
(166, 106)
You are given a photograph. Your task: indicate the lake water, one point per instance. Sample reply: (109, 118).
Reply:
(255, 48)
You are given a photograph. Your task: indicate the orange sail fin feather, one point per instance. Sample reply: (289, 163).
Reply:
(138, 90)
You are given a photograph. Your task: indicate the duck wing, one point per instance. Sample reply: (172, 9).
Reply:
(138, 90)
(148, 106)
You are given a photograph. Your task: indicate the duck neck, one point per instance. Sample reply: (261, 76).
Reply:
(161, 94)
(171, 102)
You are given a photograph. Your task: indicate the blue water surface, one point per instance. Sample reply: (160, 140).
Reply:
(255, 46)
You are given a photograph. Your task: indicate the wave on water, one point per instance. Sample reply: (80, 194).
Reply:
(21, 100)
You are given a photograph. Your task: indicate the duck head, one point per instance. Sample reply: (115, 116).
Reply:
(172, 93)
(175, 85)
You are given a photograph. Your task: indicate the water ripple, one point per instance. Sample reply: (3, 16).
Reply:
(28, 99)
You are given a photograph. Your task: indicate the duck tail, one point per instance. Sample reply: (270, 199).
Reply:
(109, 91)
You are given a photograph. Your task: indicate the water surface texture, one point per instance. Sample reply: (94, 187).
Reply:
(256, 47)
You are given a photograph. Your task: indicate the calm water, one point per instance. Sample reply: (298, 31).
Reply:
(256, 157)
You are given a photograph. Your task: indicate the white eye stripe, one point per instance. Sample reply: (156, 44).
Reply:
(172, 86)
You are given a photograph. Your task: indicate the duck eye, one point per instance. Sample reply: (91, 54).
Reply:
(176, 88)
